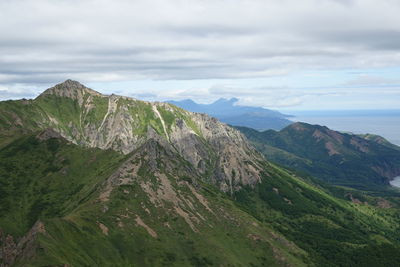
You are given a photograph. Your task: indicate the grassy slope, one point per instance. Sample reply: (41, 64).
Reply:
(333, 230)
(63, 188)
(47, 179)
(59, 184)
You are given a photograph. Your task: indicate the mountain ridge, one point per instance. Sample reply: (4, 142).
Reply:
(86, 117)
(341, 158)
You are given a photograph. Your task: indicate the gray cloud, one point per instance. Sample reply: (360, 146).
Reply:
(45, 41)
(368, 80)
(16, 92)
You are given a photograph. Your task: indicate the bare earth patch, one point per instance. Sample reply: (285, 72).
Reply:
(103, 228)
(140, 222)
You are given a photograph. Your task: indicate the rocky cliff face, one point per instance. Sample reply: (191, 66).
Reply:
(86, 117)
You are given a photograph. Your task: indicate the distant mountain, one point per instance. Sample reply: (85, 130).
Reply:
(227, 111)
(380, 140)
(359, 161)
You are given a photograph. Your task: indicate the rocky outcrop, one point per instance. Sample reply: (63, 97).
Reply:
(71, 89)
(24, 248)
(163, 176)
(237, 162)
(48, 134)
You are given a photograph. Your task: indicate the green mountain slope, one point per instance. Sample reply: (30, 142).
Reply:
(74, 192)
(94, 207)
(364, 162)
(150, 207)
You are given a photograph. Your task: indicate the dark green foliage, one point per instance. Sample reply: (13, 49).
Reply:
(44, 179)
(58, 183)
(329, 229)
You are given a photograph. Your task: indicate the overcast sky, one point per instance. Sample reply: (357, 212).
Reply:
(281, 54)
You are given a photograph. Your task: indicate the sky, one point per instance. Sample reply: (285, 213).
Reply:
(280, 54)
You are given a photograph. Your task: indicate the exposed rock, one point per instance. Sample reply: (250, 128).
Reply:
(157, 161)
(124, 175)
(23, 249)
(360, 144)
(48, 134)
(237, 161)
(288, 201)
(298, 126)
(335, 135)
(140, 222)
(199, 197)
(254, 237)
(103, 228)
(384, 204)
(330, 147)
(355, 200)
(71, 89)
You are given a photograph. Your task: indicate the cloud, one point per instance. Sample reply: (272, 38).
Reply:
(46, 41)
(16, 92)
(368, 80)
(272, 97)
(221, 41)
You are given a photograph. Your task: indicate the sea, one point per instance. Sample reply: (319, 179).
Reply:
(385, 123)
(395, 182)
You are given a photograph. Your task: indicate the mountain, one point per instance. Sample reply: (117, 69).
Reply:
(227, 111)
(359, 161)
(94, 180)
(85, 117)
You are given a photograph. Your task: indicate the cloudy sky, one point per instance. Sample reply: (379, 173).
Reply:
(281, 54)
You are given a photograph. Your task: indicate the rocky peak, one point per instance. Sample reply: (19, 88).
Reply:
(71, 89)
(70, 84)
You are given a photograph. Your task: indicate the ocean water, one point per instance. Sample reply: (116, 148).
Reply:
(380, 122)
(396, 181)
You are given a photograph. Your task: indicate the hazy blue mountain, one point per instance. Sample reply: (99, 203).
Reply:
(229, 112)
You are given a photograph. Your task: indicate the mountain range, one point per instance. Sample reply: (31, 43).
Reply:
(103, 180)
(227, 111)
(358, 161)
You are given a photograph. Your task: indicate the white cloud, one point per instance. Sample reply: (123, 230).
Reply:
(45, 41)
